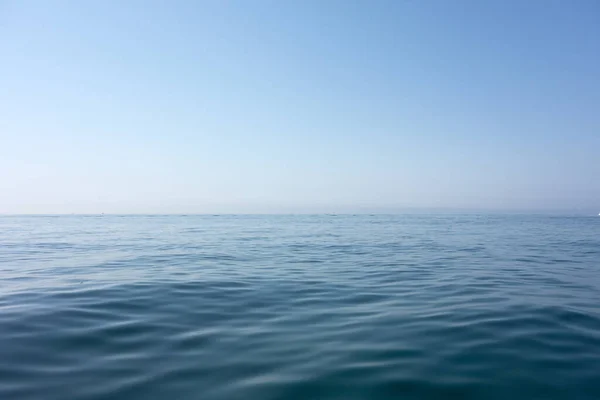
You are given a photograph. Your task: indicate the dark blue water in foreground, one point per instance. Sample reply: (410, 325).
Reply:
(300, 307)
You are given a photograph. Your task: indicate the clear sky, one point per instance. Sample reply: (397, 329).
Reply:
(294, 106)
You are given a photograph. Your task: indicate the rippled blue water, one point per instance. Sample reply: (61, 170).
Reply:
(300, 307)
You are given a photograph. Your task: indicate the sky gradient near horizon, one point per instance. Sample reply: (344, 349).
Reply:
(299, 106)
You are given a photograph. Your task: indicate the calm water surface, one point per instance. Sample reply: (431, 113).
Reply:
(300, 307)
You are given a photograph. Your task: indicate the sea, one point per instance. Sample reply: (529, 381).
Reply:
(410, 306)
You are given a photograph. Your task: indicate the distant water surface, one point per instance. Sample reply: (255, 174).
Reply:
(300, 307)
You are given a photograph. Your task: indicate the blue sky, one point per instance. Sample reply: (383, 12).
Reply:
(298, 106)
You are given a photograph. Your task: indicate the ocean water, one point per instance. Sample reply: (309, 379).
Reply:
(300, 307)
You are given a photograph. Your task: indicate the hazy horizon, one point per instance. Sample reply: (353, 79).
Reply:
(335, 211)
(188, 107)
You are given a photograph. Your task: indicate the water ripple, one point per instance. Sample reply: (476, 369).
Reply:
(299, 307)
